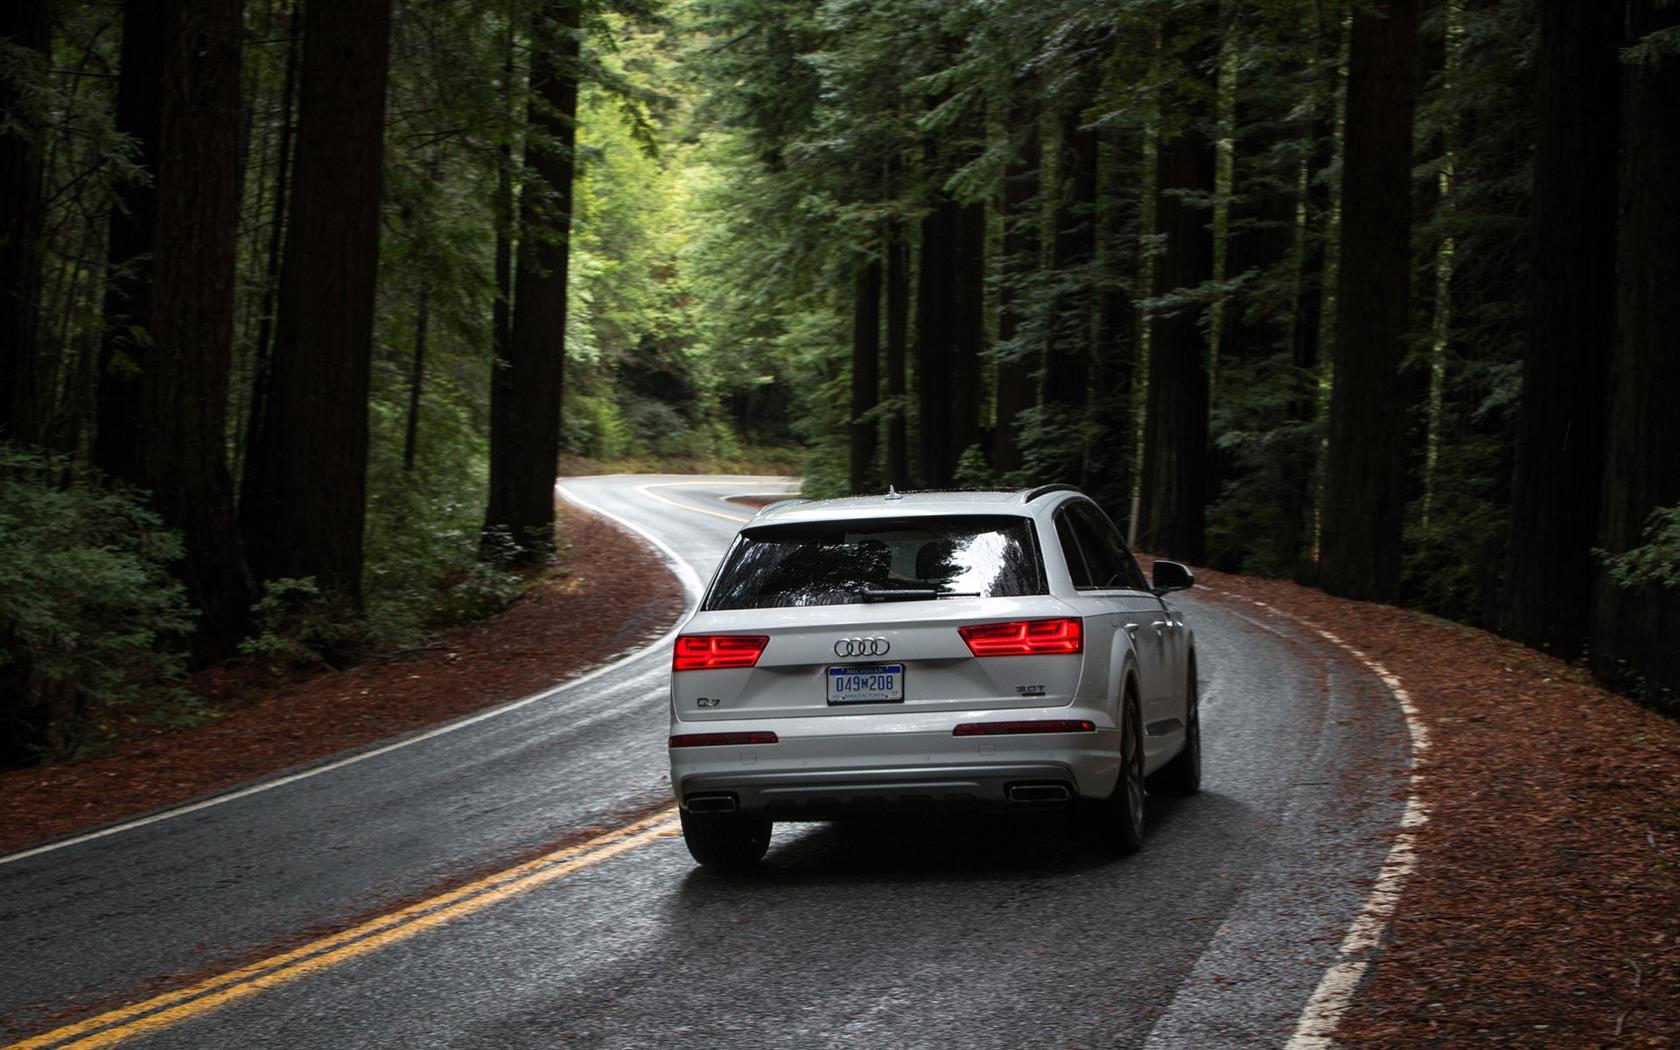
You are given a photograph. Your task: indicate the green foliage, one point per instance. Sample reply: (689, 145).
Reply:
(296, 625)
(973, 472)
(1454, 553)
(424, 567)
(1650, 49)
(88, 609)
(1656, 561)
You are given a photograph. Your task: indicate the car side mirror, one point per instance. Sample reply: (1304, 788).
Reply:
(1171, 576)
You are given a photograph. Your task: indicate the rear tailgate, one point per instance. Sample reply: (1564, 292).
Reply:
(869, 658)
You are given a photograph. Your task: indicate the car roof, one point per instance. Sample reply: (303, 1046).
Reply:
(1024, 502)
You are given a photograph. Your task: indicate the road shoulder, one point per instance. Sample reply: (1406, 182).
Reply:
(1542, 908)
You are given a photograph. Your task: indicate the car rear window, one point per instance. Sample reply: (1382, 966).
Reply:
(843, 562)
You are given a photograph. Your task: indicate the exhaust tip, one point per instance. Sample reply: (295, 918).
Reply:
(710, 804)
(1027, 793)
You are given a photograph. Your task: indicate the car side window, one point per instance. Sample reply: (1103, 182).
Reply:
(1077, 568)
(1105, 569)
(1112, 564)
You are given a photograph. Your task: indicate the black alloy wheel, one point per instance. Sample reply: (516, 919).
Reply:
(1126, 804)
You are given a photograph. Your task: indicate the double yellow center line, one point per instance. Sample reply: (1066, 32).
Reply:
(195, 1000)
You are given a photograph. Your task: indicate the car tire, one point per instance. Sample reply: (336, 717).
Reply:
(1183, 775)
(726, 841)
(1118, 823)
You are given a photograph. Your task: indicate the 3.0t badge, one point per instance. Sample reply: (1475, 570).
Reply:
(862, 647)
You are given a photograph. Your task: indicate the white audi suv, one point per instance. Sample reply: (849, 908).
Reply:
(929, 650)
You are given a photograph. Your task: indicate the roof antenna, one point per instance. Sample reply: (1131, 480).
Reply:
(893, 493)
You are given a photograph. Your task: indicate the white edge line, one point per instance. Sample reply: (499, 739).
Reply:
(686, 576)
(1334, 991)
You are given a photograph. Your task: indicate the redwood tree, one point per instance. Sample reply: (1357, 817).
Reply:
(1635, 628)
(125, 350)
(1364, 497)
(1175, 467)
(526, 388)
(935, 344)
(1571, 326)
(303, 503)
(184, 385)
(1112, 447)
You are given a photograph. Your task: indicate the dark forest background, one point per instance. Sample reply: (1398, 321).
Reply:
(302, 303)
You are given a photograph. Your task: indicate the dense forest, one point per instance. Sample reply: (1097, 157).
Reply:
(302, 305)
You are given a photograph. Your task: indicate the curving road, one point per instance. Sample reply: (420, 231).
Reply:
(515, 881)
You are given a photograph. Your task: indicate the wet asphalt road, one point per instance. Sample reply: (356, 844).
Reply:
(961, 933)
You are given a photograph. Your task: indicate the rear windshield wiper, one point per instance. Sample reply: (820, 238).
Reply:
(912, 594)
(899, 594)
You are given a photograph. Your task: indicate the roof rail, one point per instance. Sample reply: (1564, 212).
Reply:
(1045, 490)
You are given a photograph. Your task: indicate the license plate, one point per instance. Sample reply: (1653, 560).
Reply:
(866, 684)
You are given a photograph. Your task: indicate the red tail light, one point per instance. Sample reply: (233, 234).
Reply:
(708, 652)
(1068, 725)
(1025, 638)
(721, 739)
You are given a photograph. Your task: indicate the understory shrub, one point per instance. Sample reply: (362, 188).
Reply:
(88, 609)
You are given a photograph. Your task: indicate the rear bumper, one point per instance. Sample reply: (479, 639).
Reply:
(838, 794)
(812, 775)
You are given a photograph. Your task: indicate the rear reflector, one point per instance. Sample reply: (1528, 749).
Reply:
(1025, 638)
(721, 739)
(709, 652)
(1066, 725)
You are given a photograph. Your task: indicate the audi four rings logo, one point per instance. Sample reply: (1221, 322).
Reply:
(862, 647)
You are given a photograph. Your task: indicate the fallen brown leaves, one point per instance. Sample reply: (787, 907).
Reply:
(1545, 908)
(612, 594)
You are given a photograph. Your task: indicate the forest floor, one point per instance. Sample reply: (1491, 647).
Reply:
(1544, 910)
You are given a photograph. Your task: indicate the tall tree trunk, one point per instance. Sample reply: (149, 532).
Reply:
(1175, 456)
(1018, 261)
(1634, 629)
(28, 25)
(1571, 310)
(866, 372)
(184, 391)
(527, 388)
(263, 352)
(125, 350)
(1112, 452)
(1365, 476)
(898, 332)
(936, 324)
(1065, 392)
(304, 489)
